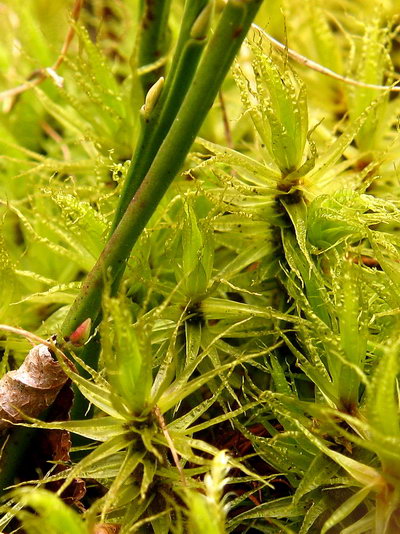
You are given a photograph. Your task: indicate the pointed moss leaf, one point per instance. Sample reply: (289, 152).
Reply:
(101, 71)
(326, 44)
(225, 417)
(320, 472)
(314, 284)
(298, 213)
(278, 376)
(363, 473)
(267, 174)
(382, 404)
(106, 468)
(32, 38)
(204, 516)
(197, 254)
(278, 508)
(127, 468)
(182, 423)
(365, 524)
(134, 506)
(97, 395)
(83, 220)
(380, 245)
(250, 107)
(193, 341)
(102, 122)
(335, 218)
(80, 258)
(63, 293)
(312, 514)
(216, 308)
(104, 450)
(182, 388)
(281, 101)
(315, 370)
(192, 241)
(353, 335)
(99, 429)
(147, 435)
(372, 65)
(328, 159)
(54, 515)
(161, 522)
(251, 254)
(127, 356)
(149, 472)
(346, 508)
(70, 120)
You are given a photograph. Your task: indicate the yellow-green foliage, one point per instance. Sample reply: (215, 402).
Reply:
(258, 310)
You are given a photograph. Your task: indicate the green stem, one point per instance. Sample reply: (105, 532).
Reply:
(192, 10)
(153, 37)
(215, 63)
(150, 141)
(155, 128)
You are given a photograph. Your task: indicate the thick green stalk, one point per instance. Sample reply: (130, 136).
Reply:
(154, 135)
(156, 126)
(154, 129)
(153, 37)
(215, 62)
(192, 10)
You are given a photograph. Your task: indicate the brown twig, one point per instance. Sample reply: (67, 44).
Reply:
(41, 74)
(58, 139)
(303, 60)
(225, 120)
(33, 338)
(76, 10)
(163, 426)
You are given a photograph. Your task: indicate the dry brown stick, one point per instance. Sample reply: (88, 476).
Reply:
(33, 338)
(58, 139)
(303, 60)
(163, 426)
(44, 73)
(76, 10)
(225, 120)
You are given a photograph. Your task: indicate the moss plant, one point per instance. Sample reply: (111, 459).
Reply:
(200, 220)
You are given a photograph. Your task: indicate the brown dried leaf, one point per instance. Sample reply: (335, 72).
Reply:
(32, 388)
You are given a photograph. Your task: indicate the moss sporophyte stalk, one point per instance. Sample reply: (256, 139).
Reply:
(199, 267)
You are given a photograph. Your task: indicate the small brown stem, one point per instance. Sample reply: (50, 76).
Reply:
(33, 338)
(225, 120)
(163, 426)
(44, 73)
(309, 63)
(76, 10)
(58, 139)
